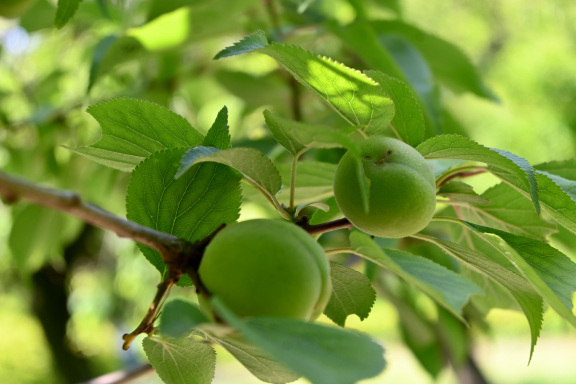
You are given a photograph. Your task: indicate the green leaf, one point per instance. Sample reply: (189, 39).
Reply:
(447, 288)
(218, 135)
(298, 137)
(191, 207)
(549, 271)
(249, 43)
(460, 147)
(565, 169)
(181, 361)
(408, 122)
(356, 97)
(134, 129)
(180, 317)
(352, 294)
(554, 200)
(509, 211)
(65, 11)
(322, 354)
(256, 361)
(461, 192)
(314, 181)
(448, 63)
(256, 168)
(522, 291)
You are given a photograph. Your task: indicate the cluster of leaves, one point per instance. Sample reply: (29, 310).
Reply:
(188, 185)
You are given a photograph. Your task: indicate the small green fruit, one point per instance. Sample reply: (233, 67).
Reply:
(265, 267)
(402, 192)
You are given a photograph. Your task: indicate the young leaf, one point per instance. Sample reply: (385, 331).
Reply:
(522, 291)
(352, 294)
(249, 43)
(256, 168)
(322, 354)
(460, 147)
(549, 271)
(191, 207)
(256, 361)
(218, 135)
(298, 137)
(181, 361)
(180, 317)
(314, 181)
(448, 288)
(408, 122)
(134, 129)
(65, 11)
(509, 211)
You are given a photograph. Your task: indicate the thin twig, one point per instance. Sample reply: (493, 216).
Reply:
(324, 227)
(122, 377)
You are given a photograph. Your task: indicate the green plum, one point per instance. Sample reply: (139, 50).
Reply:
(267, 268)
(402, 189)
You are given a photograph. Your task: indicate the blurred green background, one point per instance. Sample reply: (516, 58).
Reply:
(88, 288)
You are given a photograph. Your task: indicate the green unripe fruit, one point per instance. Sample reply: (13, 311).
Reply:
(263, 267)
(402, 189)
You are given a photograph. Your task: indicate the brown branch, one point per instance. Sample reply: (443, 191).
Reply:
(324, 227)
(122, 377)
(13, 189)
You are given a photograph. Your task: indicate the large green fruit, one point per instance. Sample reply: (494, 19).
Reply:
(402, 192)
(265, 267)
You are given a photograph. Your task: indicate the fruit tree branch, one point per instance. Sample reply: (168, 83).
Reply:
(13, 189)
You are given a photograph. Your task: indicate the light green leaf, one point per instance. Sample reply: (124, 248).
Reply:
(509, 211)
(65, 10)
(191, 207)
(256, 168)
(460, 147)
(352, 294)
(314, 181)
(461, 192)
(549, 271)
(565, 168)
(322, 354)
(181, 361)
(134, 129)
(180, 317)
(256, 361)
(447, 288)
(408, 122)
(522, 291)
(298, 137)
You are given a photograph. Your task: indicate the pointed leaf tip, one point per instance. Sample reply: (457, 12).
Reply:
(249, 43)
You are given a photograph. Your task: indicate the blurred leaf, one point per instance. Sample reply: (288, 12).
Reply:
(322, 354)
(134, 129)
(190, 207)
(256, 361)
(461, 192)
(314, 180)
(352, 294)
(39, 16)
(448, 288)
(509, 211)
(298, 137)
(549, 271)
(408, 122)
(460, 147)
(522, 291)
(448, 62)
(179, 318)
(181, 361)
(249, 43)
(65, 11)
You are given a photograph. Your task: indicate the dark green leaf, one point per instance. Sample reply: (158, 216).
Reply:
(180, 317)
(181, 361)
(64, 12)
(190, 207)
(247, 44)
(322, 354)
(460, 147)
(218, 135)
(134, 129)
(352, 294)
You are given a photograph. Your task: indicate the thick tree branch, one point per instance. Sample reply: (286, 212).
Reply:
(169, 246)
